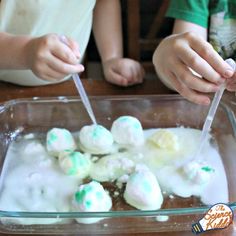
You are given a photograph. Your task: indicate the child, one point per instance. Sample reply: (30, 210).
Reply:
(187, 51)
(32, 52)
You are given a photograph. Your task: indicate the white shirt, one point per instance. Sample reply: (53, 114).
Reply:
(72, 18)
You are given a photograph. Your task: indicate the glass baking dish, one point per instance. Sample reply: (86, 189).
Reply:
(38, 115)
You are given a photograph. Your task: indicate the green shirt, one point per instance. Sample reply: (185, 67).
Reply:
(218, 16)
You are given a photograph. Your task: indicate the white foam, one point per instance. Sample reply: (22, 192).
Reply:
(32, 180)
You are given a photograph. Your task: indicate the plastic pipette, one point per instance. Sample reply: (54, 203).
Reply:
(80, 89)
(84, 97)
(212, 110)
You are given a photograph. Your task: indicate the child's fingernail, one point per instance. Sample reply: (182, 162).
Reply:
(78, 54)
(206, 101)
(228, 73)
(220, 82)
(63, 39)
(81, 67)
(231, 62)
(215, 89)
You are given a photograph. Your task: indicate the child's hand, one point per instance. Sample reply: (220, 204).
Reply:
(51, 59)
(123, 71)
(178, 53)
(231, 83)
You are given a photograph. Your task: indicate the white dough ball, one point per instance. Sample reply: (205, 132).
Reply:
(75, 163)
(91, 197)
(198, 172)
(127, 130)
(59, 140)
(143, 191)
(95, 139)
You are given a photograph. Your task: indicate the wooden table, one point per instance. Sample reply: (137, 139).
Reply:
(96, 88)
(92, 86)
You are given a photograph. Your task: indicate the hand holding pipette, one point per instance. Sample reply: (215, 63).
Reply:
(212, 110)
(81, 89)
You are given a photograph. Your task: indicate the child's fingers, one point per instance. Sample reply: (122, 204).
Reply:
(64, 53)
(45, 72)
(52, 75)
(64, 68)
(117, 79)
(133, 76)
(199, 65)
(139, 71)
(74, 47)
(207, 52)
(192, 81)
(61, 49)
(186, 92)
(231, 88)
(141, 74)
(134, 72)
(231, 84)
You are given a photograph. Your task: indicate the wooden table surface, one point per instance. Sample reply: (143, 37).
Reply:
(96, 88)
(92, 86)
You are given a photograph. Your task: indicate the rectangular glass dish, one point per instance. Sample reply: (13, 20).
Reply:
(38, 115)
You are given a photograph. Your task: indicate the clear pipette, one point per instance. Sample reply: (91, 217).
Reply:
(80, 89)
(212, 111)
(84, 97)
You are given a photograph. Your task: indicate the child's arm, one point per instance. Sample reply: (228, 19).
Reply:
(188, 48)
(108, 35)
(46, 56)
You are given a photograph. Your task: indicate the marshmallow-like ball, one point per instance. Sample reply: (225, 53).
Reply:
(127, 130)
(75, 163)
(164, 139)
(91, 197)
(95, 139)
(111, 167)
(59, 140)
(143, 191)
(198, 172)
